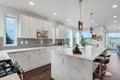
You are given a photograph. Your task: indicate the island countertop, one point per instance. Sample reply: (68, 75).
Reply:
(68, 66)
(89, 53)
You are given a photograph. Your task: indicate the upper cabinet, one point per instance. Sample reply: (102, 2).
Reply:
(50, 30)
(60, 32)
(30, 25)
(24, 26)
(33, 27)
(45, 26)
(39, 25)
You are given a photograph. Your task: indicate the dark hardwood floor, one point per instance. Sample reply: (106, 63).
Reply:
(44, 73)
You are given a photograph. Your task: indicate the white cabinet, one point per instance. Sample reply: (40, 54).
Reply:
(57, 33)
(30, 25)
(44, 57)
(33, 26)
(50, 30)
(12, 56)
(34, 59)
(45, 26)
(61, 32)
(23, 59)
(39, 25)
(24, 26)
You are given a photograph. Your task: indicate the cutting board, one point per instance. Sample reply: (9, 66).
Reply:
(11, 77)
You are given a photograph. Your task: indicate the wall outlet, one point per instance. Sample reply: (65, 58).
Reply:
(21, 42)
(26, 42)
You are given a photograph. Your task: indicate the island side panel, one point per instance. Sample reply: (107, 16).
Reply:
(64, 67)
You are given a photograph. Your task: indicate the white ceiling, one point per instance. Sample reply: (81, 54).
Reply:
(102, 9)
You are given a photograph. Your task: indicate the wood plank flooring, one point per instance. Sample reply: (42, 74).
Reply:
(44, 73)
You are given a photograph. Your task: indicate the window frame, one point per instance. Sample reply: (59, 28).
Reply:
(15, 31)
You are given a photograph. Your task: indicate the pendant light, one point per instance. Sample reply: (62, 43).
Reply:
(80, 24)
(91, 28)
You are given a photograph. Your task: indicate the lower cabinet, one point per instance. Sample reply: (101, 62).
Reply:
(23, 58)
(32, 59)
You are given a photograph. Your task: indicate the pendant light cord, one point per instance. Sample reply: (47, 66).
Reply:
(91, 19)
(80, 1)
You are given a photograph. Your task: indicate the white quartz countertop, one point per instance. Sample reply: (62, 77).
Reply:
(4, 53)
(24, 49)
(89, 53)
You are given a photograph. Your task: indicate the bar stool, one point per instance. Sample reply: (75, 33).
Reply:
(108, 74)
(102, 66)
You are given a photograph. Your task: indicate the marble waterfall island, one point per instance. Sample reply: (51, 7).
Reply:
(68, 66)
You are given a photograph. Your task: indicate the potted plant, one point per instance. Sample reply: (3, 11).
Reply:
(76, 50)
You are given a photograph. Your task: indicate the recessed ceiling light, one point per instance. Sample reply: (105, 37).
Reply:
(69, 19)
(114, 16)
(115, 6)
(31, 3)
(55, 13)
(115, 21)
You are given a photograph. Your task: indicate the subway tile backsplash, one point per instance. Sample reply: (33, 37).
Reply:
(28, 42)
(1, 42)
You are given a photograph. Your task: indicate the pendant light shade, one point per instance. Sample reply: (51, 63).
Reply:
(80, 24)
(91, 28)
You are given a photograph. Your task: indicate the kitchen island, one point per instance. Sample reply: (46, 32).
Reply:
(68, 66)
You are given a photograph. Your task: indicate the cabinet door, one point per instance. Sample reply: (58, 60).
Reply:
(57, 33)
(50, 31)
(45, 26)
(33, 30)
(23, 59)
(44, 57)
(34, 59)
(24, 26)
(12, 56)
(62, 32)
(39, 25)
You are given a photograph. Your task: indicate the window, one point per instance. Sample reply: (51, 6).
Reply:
(10, 30)
(112, 35)
(113, 39)
(86, 34)
(76, 37)
(69, 39)
(86, 37)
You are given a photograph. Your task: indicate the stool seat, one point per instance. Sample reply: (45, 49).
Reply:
(102, 55)
(102, 61)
